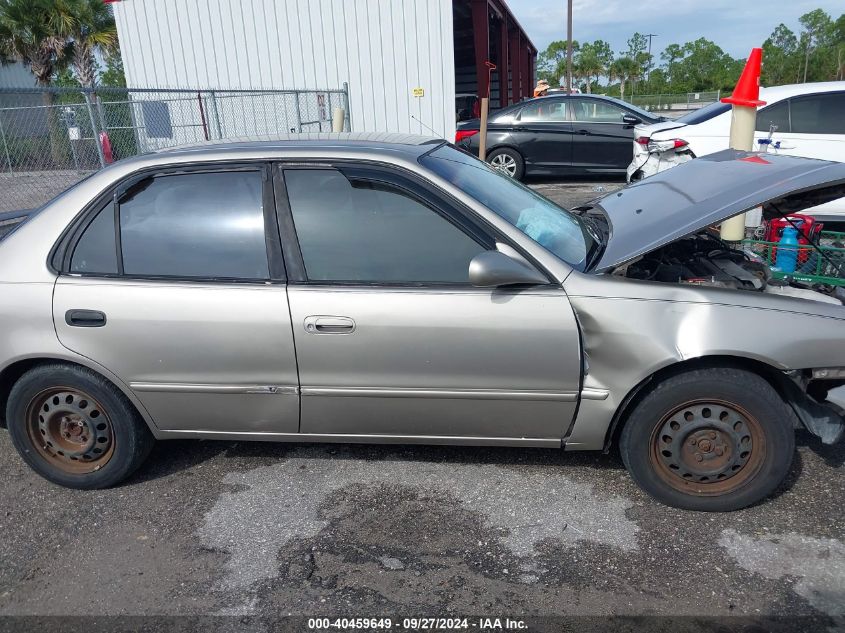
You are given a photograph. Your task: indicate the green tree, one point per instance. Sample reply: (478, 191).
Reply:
(780, 54)
(625, 69)
(816, 40)
(36, 33)
(551, 63)
(93, 31)
(592, 62)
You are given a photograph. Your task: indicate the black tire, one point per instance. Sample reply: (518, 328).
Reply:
(57, 401)
(508, 156)
(715, 440)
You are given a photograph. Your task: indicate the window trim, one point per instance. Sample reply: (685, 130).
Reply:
(62, 253)
(408, 183)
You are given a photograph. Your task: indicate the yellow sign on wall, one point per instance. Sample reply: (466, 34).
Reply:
(419, 92)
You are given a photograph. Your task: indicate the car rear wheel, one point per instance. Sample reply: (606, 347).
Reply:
(508, 161)
(715, 439)
(74, 428)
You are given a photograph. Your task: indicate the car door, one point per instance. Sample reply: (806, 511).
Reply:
(176, 286)
(392, 340)
(812, 126)
(601, 140)
(543, 135)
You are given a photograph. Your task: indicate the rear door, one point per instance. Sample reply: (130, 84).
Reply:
(176, 285)
(391, 338)
(601, 140)
(543, 134)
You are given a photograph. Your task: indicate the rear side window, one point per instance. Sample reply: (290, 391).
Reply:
(95, 252)
(776, 114)
(201, 225)
(543, 110)
(373, 232)
(818, 114)
(208, 225)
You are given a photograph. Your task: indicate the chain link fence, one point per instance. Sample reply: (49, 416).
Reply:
(51, 138)
(674, 102)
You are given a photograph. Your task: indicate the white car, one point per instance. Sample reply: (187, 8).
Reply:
(802, 120)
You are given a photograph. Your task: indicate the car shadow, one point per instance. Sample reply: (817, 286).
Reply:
(171, 457)
(832, 454)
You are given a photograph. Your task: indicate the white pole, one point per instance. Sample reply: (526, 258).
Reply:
(338, 120)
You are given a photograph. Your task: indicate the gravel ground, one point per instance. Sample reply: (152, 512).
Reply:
(262, 530)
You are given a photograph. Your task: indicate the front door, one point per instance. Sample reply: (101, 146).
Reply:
(188, 305)
(390, 337)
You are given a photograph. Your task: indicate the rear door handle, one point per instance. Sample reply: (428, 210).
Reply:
(585, 132)
(329, 325)
(85, 318)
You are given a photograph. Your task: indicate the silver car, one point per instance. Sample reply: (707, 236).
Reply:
(395, 289)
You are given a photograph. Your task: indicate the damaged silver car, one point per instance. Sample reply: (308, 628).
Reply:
(395, 289)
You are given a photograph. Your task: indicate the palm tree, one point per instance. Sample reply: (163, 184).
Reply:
(94, 30)
(624, 69)
(589, 67)
(36, 33)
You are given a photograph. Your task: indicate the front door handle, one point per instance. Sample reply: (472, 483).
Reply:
(329, 325)
(584, 132)
(85, 318)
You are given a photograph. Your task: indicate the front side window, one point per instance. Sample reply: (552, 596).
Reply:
(818, 114)
(776, 114)
(208, 225)
(545, 111)
(365, 231)
(596, 111)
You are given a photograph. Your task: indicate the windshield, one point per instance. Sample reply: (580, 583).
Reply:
(704, 114)
(554, 228)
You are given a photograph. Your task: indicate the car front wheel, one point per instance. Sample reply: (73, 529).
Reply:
(508, 161)
(74, 428)
(714, 439)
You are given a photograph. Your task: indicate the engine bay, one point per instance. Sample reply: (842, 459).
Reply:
(704, 259)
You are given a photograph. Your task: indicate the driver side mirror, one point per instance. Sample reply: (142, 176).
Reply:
(630, 119)
(492, 269)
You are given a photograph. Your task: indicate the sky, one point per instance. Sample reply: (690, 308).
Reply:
(735, 25)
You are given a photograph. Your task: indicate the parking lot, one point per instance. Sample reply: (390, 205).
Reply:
(264, 530)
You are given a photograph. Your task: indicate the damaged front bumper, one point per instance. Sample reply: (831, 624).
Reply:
(825, 420)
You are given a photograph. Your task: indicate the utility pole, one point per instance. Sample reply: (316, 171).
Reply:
(569, 47)
(649, 36)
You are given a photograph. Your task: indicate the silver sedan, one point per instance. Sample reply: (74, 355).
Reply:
(396, 289)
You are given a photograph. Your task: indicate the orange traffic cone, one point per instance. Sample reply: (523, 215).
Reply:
(747, 91)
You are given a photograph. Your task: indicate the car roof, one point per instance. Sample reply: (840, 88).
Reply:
(776, 93)
(412, 145)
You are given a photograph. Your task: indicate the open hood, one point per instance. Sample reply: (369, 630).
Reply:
(709, 190)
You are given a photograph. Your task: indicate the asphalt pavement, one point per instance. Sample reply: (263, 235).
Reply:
(253, 530)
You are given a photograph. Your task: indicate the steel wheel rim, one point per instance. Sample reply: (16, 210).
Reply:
(707, 447)
(505, 163)
(70, 430)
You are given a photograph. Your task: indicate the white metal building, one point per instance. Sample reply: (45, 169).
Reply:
(398, 57)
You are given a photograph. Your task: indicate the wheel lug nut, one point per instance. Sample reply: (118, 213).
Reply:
(712, 435)
(693, 442)
(719, 450)
(699, 457)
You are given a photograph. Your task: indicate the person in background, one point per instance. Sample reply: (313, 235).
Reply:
(542, 88)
